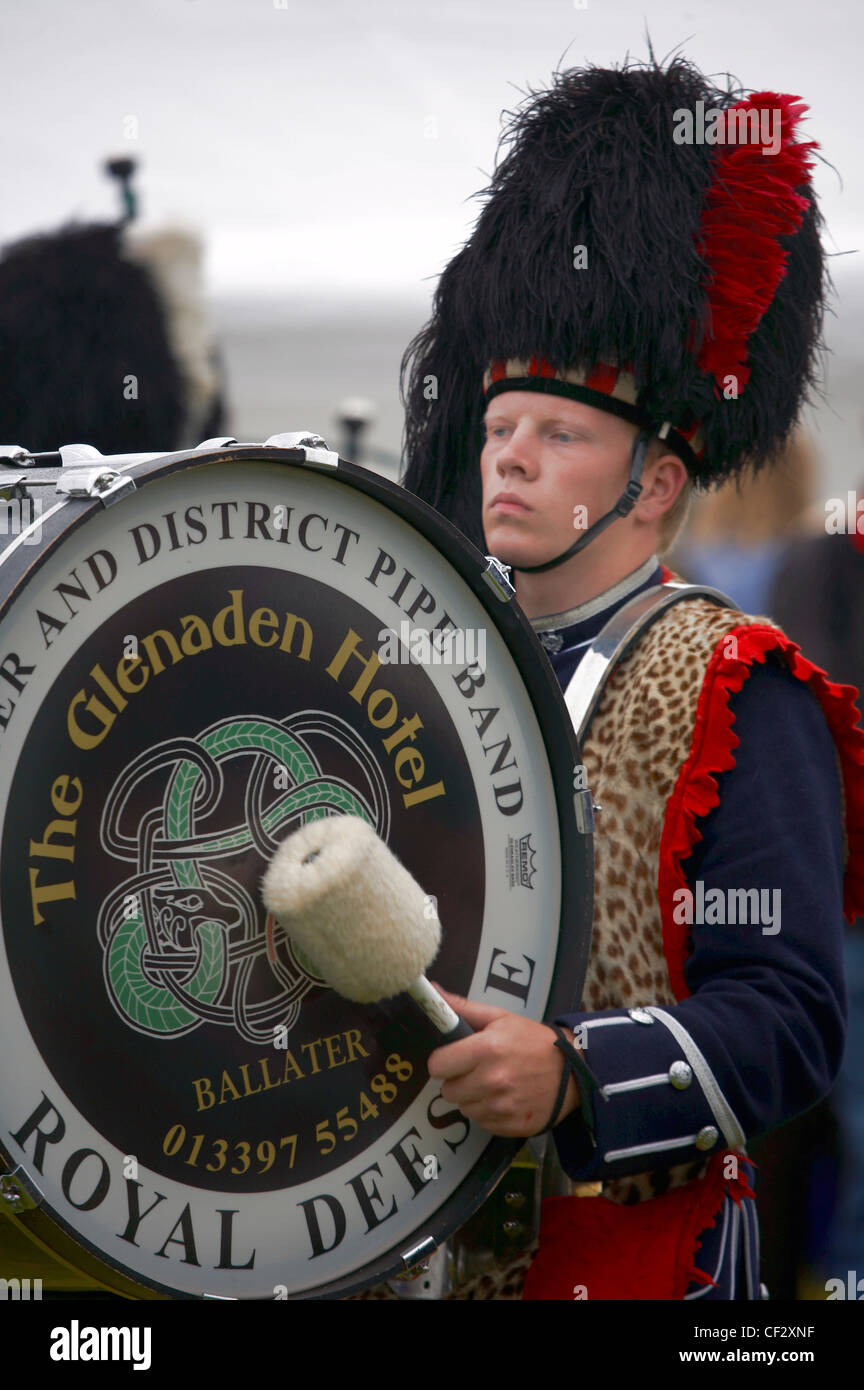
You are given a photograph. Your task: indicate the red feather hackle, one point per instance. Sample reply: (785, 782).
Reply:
(750, 204)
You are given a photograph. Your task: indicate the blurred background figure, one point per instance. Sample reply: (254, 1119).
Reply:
(818, 598)
(735, 537)
(308, 360)
(765, 544)
(105, 337)
(104, 340)
(355, 414)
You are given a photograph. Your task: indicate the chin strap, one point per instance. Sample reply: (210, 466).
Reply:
(625, 504)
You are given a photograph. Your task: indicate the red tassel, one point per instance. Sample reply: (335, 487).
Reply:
(750, 203)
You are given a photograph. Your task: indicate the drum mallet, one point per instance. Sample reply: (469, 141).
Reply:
(362, 920)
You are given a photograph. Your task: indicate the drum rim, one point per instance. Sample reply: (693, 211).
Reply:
(562, 752)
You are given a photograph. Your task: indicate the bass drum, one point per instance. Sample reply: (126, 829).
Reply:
(200, 652)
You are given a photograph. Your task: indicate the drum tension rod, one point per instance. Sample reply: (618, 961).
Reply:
(16, 456)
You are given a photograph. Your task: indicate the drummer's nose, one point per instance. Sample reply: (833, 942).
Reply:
(520, 451)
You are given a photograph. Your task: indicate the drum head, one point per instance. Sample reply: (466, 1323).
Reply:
(189, 675)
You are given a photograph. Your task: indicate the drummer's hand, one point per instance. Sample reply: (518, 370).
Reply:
(506, 1076)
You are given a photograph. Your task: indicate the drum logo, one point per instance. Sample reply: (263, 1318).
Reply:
(519, 856)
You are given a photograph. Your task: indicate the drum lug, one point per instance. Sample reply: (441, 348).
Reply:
(427, 1272)
(497, 576)
(583, 803)
(103, 483)
(15, 483)
(419, 1254)
(308, 443)
(14, 1196)
(15, 454)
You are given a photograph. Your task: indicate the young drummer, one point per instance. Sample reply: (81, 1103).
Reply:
(636, 313)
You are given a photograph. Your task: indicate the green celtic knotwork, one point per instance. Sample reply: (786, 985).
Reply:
(241, 736)
(187, 949)
(152, 1007)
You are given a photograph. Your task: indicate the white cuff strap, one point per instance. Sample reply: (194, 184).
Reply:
(639, 1083)
(720, 1107)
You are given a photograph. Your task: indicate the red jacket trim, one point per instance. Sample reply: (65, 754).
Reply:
(711, 748)
(596, 1249)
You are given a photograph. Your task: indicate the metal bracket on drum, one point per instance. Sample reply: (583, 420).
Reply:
(583, 803)
(15, 483)
(497, 576)
(311, 445)
(14, 1196)
(15, 455)
(419, 1254)
(104, 484)
(428, 1279)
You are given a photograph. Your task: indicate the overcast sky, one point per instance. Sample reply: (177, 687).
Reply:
(334, 146)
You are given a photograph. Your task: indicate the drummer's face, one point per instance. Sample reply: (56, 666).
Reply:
(543, 457)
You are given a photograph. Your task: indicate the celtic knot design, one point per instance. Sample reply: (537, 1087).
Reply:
(183, 940)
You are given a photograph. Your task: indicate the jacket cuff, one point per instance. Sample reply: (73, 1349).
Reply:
(657, 1102)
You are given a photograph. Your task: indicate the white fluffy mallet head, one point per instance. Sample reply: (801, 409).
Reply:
(357, 913)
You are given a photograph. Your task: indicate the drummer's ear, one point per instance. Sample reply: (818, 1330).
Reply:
(666, 493)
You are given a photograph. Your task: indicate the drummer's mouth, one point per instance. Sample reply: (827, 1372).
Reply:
(508, 502)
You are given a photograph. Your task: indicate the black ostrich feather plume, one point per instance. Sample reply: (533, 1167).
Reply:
(592, 162)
